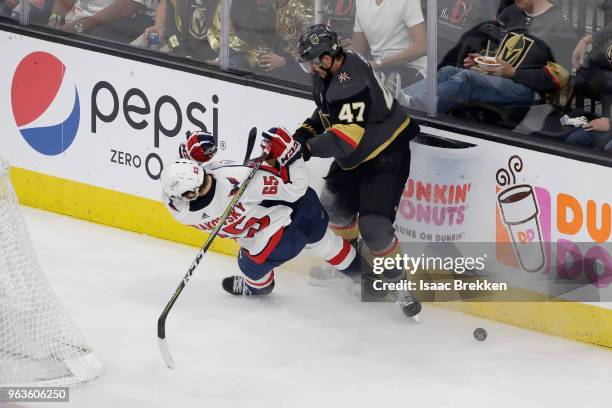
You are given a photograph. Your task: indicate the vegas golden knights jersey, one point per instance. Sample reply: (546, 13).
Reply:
(356, 117)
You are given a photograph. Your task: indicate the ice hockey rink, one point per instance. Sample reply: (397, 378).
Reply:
(302, 347)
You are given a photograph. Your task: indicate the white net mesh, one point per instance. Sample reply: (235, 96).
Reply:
(39, 343)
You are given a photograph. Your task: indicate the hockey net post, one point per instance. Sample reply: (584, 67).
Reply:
(40, 345)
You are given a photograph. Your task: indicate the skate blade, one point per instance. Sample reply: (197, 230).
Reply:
(320, 283)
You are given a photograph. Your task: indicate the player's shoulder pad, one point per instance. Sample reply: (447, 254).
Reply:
(350, 80)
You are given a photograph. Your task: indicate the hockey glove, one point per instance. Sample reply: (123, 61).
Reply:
(305, 132)
(199, 146)
(279, 145)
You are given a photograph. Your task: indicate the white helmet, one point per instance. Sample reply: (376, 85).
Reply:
(182, 176)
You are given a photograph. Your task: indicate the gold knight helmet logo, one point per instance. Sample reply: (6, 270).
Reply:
(198, 28)
(514, 48)
(314, 39)
(288, 27)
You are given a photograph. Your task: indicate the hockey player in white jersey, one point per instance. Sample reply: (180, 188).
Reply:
(276, 218)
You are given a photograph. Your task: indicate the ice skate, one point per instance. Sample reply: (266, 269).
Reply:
(236, 285)
(408, 303)
(323, 275)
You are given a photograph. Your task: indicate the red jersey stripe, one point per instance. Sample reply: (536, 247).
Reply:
(272, 243)
(346, 249)
(344, 137)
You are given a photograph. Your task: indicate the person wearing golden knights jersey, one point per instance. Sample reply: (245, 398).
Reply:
(187, 26)
(533, 56)
(360, 125)
(182, 28)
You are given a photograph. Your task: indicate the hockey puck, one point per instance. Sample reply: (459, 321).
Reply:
(480, 334)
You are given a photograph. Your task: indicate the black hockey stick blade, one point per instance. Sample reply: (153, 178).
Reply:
(250, 145)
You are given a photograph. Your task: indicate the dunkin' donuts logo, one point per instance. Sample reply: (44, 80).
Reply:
(433, 211)
(582, 228)
(432, 203)
(523, 219)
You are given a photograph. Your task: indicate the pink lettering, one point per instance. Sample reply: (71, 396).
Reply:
(423, 191)
(424, 213)
(440, 194)
(461, 193)
(568, 269)
(594, 254)
(406, 209)
(439, 215)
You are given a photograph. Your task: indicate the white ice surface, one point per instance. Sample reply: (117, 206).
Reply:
(302, 347)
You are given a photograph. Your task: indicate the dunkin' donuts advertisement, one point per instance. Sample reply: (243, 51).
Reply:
(522, 218)
(436, 200)
(555, 237)
(536, 224)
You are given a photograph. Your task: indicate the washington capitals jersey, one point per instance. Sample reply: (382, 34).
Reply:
(356, 117)
(259, 218)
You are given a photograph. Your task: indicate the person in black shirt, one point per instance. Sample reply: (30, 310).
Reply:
(182, 27)
(594, 79)
(532, 56)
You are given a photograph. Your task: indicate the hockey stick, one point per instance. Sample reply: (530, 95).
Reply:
(250, 145)
(161, 322)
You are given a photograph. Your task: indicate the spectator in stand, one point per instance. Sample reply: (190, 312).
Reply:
(393, 33)
(115, 20)
(594, 78)
(263, 35)
(527, 64)
(39, 10)
(252, 32)
(183, 28)
(281, 61)
(596, 134)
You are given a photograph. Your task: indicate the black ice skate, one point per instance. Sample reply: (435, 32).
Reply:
(408, 303)
(236, 285)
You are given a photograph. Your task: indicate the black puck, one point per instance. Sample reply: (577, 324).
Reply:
(480, 334)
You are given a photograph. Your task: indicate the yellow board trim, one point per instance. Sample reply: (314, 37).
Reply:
(575, 321)
(107, 207)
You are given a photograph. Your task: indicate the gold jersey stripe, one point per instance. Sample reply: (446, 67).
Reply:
(383, 146)
(352, 134)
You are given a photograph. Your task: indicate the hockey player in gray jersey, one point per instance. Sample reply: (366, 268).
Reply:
(276, 218)
(367, 132)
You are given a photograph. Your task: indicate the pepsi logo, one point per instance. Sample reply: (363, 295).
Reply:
(45, 103)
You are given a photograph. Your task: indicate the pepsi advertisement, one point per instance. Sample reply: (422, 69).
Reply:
(114, 128)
